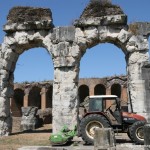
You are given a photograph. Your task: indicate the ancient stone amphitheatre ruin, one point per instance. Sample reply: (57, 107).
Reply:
(29, 27)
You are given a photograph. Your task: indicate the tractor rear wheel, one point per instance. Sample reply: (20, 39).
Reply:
(136, 132)
(89, 124)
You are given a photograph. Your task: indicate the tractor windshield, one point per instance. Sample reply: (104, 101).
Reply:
(102, 104)
(95, 104)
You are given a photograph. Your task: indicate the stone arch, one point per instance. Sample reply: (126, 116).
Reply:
(17, 102)
(31, 66)
(99, 89)
(35, 97)
(116, 90)
(83, 92)
(97, 32)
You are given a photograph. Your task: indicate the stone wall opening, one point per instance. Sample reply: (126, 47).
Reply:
(17, 102)
(99, 90)
(32, 69)
(35, 97)
(116, 90)
(83, 92)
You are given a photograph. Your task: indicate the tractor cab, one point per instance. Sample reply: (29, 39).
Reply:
(108, 106)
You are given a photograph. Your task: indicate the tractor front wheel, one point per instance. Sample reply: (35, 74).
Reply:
(136, 132)
(89, 124)
(128, 133)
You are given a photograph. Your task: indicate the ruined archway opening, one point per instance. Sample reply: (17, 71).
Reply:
(103, 60)
(34, 65)
(83, 92)
(116, 90)
(99, 90)
(17, 102)
(35, 97)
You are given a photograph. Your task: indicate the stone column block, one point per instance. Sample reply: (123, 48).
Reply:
(104, 139)
(43, 98)
(29, 120)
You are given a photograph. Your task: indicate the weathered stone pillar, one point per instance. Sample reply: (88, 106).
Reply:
(13, 107)
(136, 85)
(43, 98)
(5, 114)
(66, 55)
(91, 90)
(26, 98)
(5, 117)
(6, 92)
(12, 103)
(108, 91)
(121, 96)
(65, 98)
(146, 81)
(124, 94)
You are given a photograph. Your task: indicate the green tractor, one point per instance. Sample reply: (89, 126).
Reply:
(104, 111)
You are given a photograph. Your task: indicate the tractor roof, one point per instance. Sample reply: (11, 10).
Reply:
(103, 96)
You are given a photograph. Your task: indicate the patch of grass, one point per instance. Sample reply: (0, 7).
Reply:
(20, 14)
(26, 139)
(99, 8)
(39, 137)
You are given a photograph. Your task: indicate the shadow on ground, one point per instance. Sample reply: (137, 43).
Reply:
(33, 131)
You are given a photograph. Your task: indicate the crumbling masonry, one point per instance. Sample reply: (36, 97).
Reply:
(27, 28)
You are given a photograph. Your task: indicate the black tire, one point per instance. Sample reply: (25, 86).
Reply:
(136, 132)
(89, 123)
(128, 133)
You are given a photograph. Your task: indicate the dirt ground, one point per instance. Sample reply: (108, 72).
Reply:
(38, 137)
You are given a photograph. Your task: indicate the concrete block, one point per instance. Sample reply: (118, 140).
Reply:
(104, 139)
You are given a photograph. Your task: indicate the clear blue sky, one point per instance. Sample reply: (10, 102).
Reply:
(100, 61)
